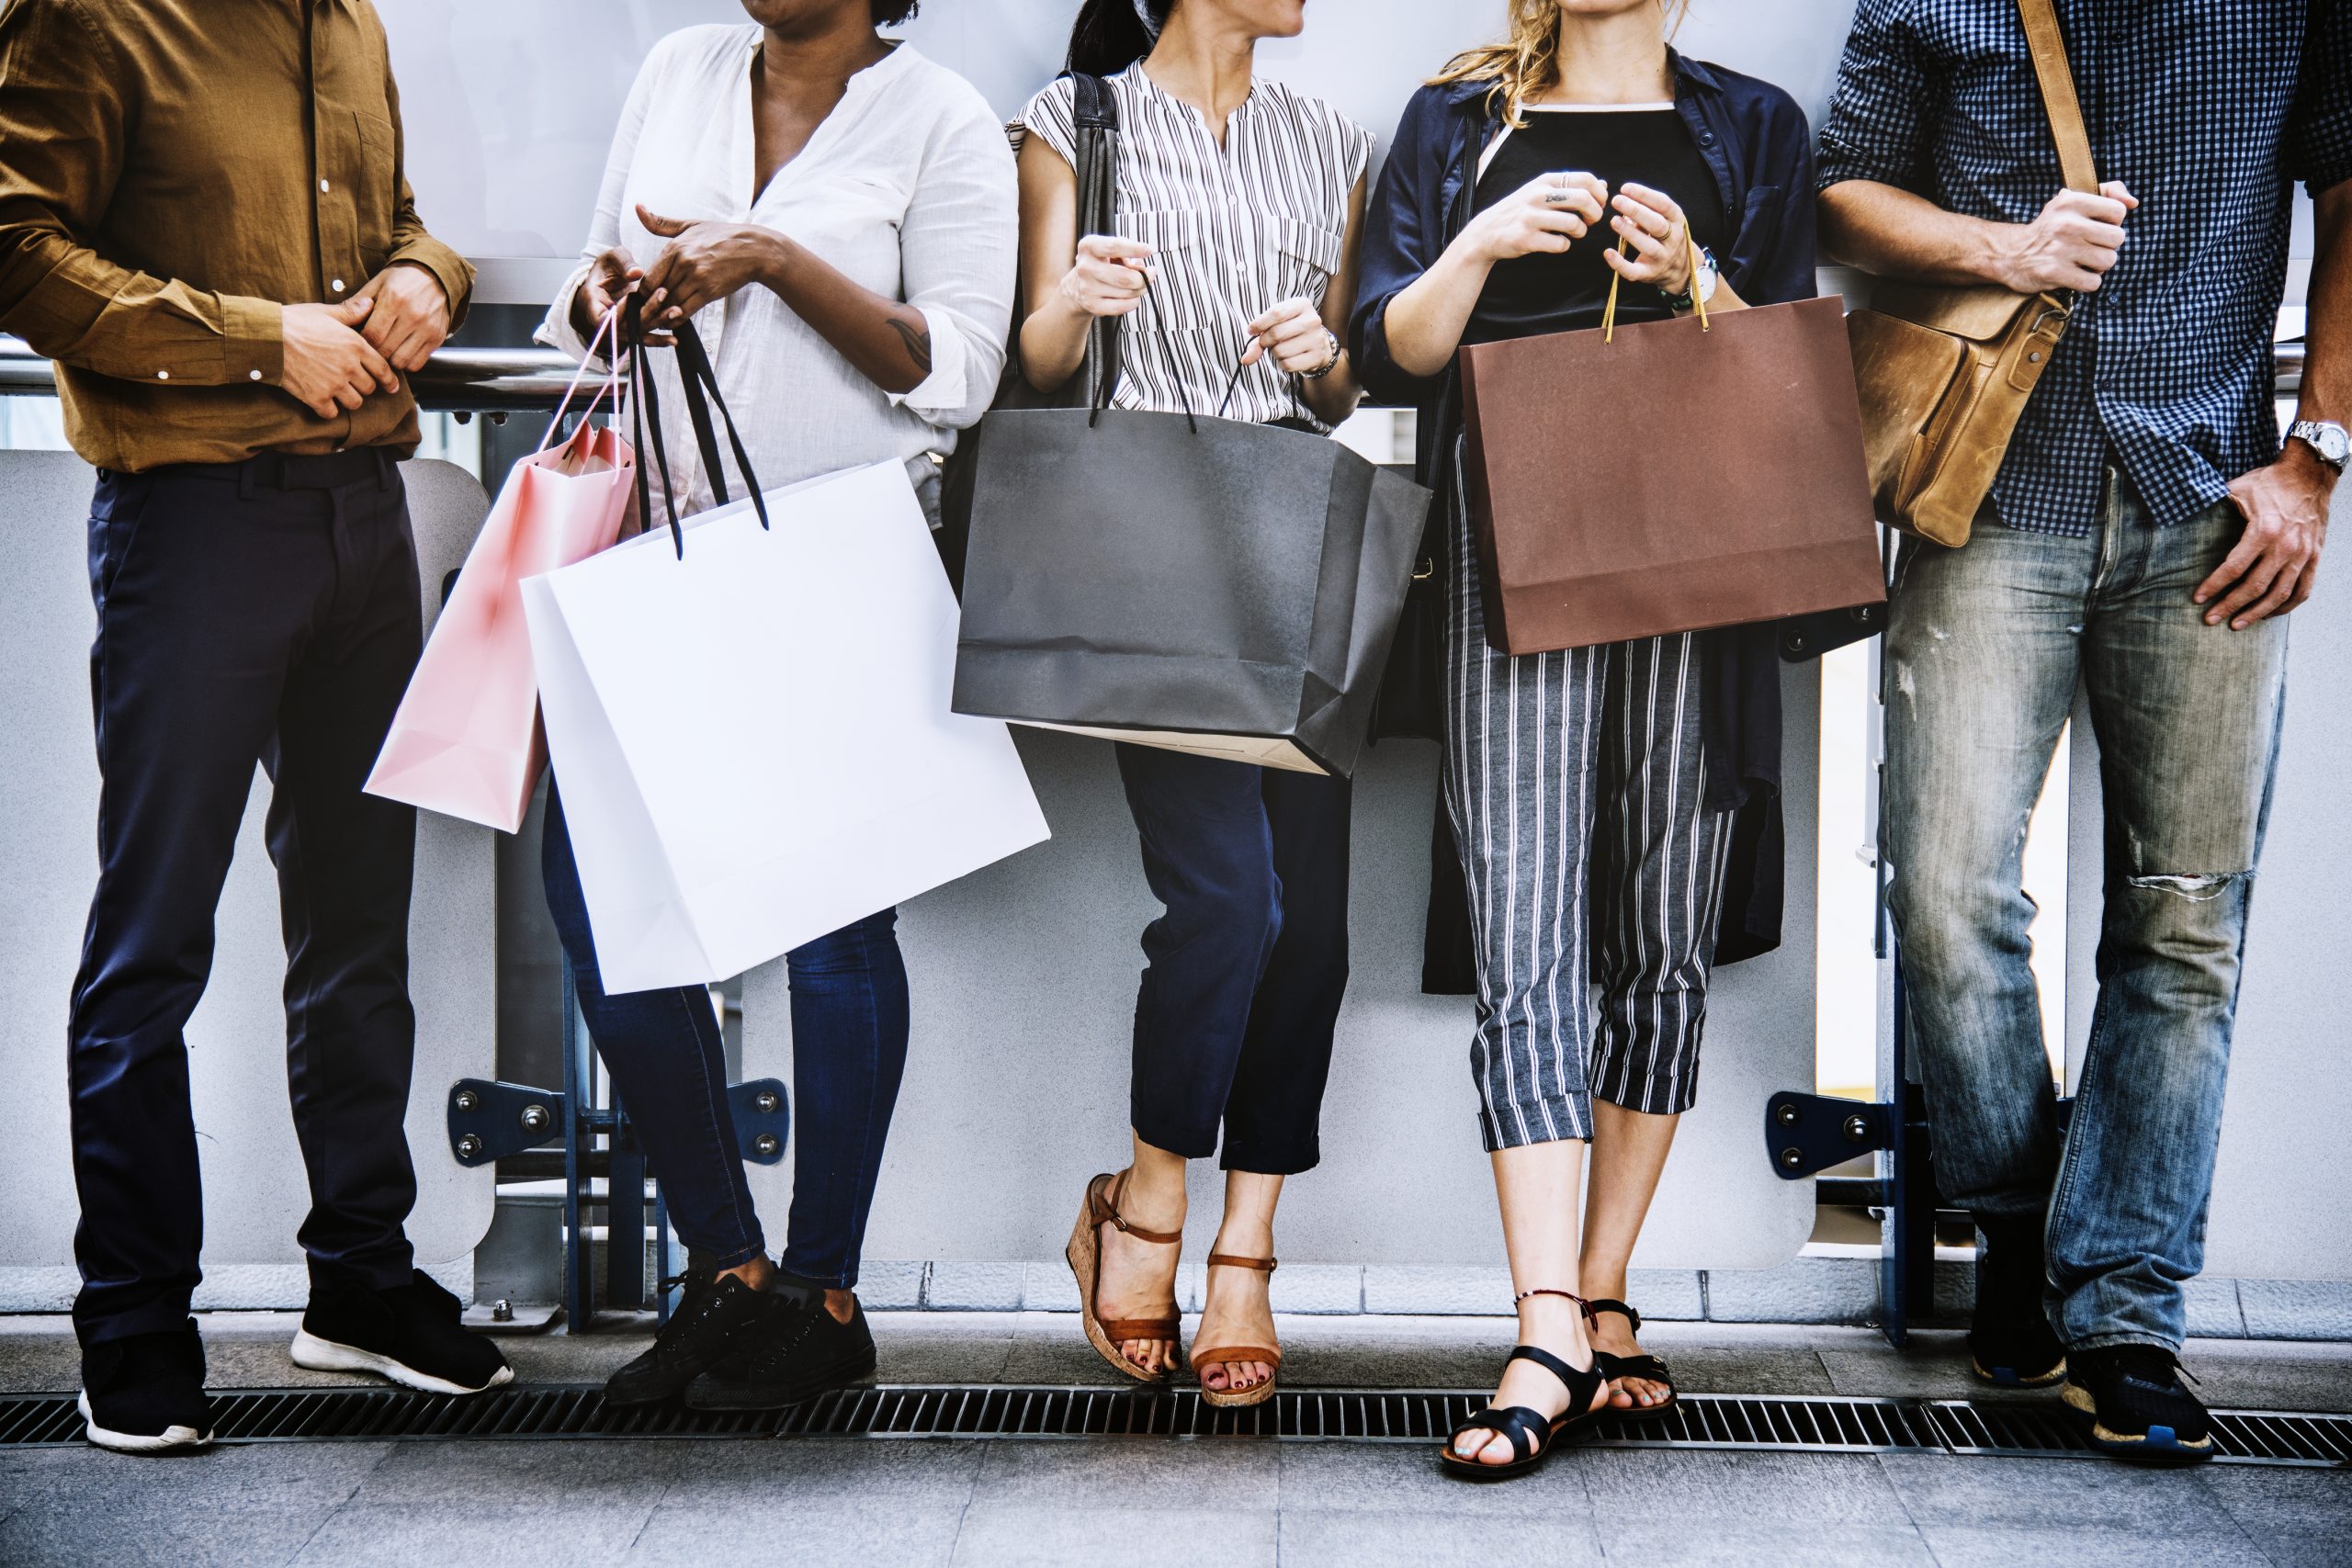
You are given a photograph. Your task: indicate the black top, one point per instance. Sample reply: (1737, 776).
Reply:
(1756, 141)
(1546, 293)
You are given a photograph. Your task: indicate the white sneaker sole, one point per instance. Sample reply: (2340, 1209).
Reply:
(317, 1355)
(171, 1439)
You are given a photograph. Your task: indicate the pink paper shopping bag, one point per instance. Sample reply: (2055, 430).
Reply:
(466, 741)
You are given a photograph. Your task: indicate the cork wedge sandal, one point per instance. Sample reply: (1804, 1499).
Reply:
(1257, 1393)
(1085, 1255)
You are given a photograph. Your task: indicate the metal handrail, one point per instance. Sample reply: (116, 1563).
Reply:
(459, 380)
(531, 380)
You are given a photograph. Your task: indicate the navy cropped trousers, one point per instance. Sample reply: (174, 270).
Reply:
(1247, 968)
(265, 611)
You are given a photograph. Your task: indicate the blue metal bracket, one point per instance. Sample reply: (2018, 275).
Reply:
(763, 1114)
(1804, 1134)
(489, 1119)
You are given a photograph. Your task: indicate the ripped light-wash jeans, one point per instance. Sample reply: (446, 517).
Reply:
(1986, 647)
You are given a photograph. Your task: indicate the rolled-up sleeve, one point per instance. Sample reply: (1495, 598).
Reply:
(63, 128)
(958, 247)
(2320, 144)
(1403, 237)
(1876, 127)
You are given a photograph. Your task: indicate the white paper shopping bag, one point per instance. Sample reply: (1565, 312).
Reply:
(752, 735)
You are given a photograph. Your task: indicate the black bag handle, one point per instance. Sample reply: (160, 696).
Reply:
(641, 400)
(1095, 111)
(700, 384)
(694, 360)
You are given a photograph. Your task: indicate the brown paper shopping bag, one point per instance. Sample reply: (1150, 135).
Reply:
(1671, 477)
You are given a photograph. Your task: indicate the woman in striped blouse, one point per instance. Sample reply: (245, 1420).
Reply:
(1240, 206)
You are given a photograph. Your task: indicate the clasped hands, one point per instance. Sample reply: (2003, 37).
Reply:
(704, 262)
(336, 357)
(1551, 213)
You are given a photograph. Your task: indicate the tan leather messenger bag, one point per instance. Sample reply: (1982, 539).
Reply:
(1944, 373)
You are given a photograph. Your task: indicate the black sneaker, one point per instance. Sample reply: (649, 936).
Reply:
(146, 1394)
(2136, 1407)
(796, 1352)
(410, 1333)
(710, 1320)
(2010, 1342)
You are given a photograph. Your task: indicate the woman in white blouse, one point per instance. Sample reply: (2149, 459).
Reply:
(1240, 210)
(836, 213)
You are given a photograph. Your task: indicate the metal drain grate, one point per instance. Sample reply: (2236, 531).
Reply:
(2242, 1437)
(1700, 1421)
(1837, 1425)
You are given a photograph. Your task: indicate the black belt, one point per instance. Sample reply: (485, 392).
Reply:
(290, 471)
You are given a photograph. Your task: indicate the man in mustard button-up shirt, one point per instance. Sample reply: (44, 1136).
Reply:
(204, 221)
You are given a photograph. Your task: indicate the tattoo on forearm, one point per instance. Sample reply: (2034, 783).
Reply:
(918, 342)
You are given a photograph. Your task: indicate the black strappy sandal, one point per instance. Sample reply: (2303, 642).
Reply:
(1531, 1434)
(1648, 1368)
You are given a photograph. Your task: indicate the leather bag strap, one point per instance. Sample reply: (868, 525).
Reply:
(2048, 43)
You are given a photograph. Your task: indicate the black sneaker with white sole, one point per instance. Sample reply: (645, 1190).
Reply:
(796, 1352)
(2131, 1398)
(410, 1333)
(2010, 1342)
(146, 1394)
(710, 1324)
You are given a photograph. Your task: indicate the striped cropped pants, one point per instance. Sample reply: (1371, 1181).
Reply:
(1576, 782)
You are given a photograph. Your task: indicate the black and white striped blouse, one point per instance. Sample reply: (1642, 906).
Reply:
(1237, 229)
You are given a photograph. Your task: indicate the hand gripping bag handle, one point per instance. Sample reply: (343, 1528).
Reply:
(700, 386)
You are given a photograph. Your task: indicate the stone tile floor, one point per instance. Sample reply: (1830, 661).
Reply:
(1142, 1503)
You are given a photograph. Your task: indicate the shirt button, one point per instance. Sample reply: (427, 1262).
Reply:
(324, 186)
(337, 286)
(253, 374)
(162, 375)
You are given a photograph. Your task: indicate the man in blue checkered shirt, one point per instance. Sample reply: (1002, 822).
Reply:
(2145, 541)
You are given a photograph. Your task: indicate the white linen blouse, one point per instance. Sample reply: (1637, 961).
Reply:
(908, 187)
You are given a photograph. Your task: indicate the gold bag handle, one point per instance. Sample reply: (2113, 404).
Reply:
(1624, 247)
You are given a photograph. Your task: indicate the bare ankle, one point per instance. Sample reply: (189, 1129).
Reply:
(1258, 1243)
(758, 1273)
(1154, 1203)
(1552, 1321)
(841, 1305)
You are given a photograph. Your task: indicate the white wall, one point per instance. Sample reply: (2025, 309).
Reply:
(509, 105)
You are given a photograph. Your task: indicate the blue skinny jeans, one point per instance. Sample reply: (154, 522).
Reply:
(667, 1059)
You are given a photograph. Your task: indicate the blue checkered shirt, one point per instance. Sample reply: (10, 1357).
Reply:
(2209, 110)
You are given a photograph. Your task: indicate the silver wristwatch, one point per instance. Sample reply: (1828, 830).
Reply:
(2331, 441)
(1703, 278)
